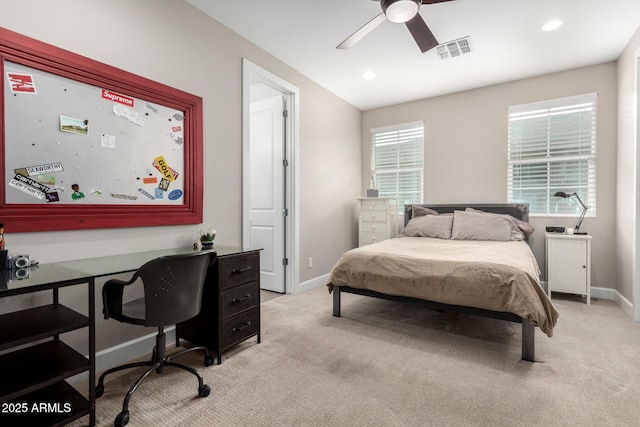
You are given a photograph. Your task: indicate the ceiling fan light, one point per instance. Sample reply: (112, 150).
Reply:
(400, 11)
(552, 25)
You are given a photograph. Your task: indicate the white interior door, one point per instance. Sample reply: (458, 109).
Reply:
(267, 189)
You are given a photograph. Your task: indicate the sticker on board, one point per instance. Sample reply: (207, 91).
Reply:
(21, 83)
(175, 195)
(40, 169)
(77, 194)
(161, 164)
(116, 97)
(71, 125)
(108, 141)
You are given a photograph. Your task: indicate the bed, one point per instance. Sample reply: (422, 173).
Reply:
(460, 271)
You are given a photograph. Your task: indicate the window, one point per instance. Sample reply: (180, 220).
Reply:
(397, 159)
(551, 148)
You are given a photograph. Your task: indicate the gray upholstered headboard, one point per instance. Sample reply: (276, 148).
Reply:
(517, 210)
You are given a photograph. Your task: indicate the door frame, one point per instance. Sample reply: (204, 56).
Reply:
(636, 244)
(251, 73)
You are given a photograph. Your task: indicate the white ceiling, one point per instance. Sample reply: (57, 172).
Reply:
(506, 40)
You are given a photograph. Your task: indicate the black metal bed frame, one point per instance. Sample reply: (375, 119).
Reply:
(517, 210)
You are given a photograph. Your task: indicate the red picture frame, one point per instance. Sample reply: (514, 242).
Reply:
(24, 50)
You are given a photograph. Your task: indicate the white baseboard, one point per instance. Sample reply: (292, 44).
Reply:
(614, 295)
(608, 294)
(313, 283)
(123, 353)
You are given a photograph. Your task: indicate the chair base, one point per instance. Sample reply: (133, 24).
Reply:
(158, 361)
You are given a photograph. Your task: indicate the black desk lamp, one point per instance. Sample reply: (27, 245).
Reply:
(584, 209)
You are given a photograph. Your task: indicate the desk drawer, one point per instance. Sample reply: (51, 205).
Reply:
(241, 327)
(239, 269)
(240, 298)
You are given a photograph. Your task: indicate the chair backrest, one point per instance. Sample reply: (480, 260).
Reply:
(173, 287)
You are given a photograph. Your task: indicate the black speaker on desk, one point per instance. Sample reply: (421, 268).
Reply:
(555, 229)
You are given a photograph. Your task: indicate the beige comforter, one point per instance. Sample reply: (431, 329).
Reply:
(498, 276)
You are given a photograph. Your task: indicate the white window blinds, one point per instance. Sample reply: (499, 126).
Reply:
(551, 148)
(397, 159)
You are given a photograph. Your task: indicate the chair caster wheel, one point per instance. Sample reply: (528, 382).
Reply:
(122, 419)
(99, 391)
(208, 361)
(203, 391)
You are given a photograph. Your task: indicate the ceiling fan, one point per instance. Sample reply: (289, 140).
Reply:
(400, 12)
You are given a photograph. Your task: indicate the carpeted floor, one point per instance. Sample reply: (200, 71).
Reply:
(391, 364)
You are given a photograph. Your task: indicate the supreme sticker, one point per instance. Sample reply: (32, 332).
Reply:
(151, 180)
(21, 83)
(161, 164)
(115, 97)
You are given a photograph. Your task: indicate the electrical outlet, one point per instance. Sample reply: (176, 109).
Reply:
(310, 262)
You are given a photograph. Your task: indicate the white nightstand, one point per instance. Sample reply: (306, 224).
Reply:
(568, 263)
(378, 219)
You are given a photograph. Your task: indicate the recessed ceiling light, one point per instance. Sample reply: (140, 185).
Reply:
(369, 75)
(552, 25)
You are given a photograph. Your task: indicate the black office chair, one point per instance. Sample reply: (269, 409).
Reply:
(172, 294)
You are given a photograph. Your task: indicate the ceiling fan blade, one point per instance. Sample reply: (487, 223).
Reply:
(434, 1)
(421, 33)
(363, 31)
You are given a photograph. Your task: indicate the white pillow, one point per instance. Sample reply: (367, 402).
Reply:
(429, 226)
(520, 230)
(480, 226)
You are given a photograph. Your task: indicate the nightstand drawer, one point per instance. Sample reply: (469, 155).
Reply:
(239, 328)
(240, 298)
(240, 269)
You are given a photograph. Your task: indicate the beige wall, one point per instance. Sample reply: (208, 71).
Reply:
(627, 190)
(466, 149)
(173, 43)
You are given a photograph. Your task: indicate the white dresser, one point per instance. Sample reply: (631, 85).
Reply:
(568, 262)
(378, 219)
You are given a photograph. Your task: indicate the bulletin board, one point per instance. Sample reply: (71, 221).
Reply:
(86, 145)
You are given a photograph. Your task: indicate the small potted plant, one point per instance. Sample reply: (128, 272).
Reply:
(207, 235)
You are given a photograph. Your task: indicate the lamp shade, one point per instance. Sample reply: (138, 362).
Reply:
(400, 11)
(561, 194)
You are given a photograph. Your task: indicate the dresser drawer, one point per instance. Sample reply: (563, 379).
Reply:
(240, 327)
(367, 237)
(373, 227)
(239, 269)
(374, 216)
(239, 298)
(382, 204)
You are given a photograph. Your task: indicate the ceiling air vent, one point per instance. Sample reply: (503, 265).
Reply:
(454, 48)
